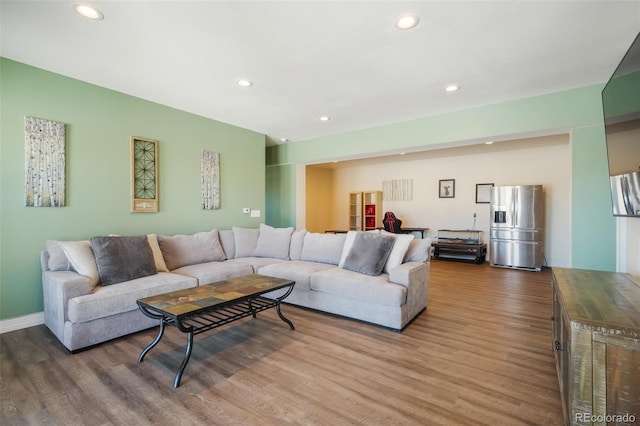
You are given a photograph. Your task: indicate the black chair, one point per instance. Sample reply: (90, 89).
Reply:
(392, 223)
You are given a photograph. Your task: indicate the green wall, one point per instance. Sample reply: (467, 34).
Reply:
(577, 111)
(100, 123)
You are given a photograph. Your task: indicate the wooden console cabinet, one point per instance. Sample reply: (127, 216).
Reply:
(596, 339)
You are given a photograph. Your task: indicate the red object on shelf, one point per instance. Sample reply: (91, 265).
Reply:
(370, 209)
(370, 222)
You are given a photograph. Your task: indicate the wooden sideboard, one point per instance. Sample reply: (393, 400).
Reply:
(596, 339)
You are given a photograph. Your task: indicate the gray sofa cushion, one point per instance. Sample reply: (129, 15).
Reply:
(210, 272)
(323, 248)
(58, 261)
(245, 240)
(182, 250)
(369, 253)
(353, 286)
(299, 271)
(297, 240)
(122, 259)
(419, 250)
(122, 297)
(228, 244)
(273, 242)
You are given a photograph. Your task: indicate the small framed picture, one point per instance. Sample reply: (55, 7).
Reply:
(447, 188)
(483, 193)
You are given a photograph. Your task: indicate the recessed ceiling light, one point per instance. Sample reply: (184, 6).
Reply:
(88, 11)
(452, 88)
(284, 140)
(407, 21)
(244, 83)
(488, 143)
(324, 118)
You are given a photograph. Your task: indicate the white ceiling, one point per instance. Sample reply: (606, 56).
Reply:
(344, 59)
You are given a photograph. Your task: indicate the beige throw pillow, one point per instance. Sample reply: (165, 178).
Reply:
(81, 256)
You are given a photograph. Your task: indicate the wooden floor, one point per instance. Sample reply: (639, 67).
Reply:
(479, 355)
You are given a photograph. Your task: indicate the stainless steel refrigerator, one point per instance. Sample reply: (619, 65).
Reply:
(516, 231)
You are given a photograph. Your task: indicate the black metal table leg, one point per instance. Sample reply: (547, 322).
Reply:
(152, 344)
(282, 317)
(187, 355)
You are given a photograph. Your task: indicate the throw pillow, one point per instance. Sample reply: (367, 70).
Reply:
(400, 248)
(369, 253)
(161, 266)
(246, 240)
(122, 259)
(81, 256)
(323, 248)
(348, 243)
(182, 250)
(273, 242)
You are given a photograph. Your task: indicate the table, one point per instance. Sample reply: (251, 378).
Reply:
(475, 253)
(410, 230)
(198, 309)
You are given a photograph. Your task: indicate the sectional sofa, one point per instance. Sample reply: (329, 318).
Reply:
(91, 287)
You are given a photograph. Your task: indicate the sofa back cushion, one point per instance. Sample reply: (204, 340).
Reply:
(273, 242)
(58, 261)
(245, 240)
(182, 250)
(324, 248)
(122, 259)
(419, 250)
(228, 243)
(297, 241)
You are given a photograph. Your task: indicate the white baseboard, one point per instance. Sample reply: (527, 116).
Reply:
(18, 323)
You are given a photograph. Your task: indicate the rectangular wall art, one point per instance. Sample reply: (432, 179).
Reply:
(210, 180)
(144, 175)
(44, 175)
(397, 190)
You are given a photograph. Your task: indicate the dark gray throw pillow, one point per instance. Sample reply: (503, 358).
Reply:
(122, 259)
(369, 253)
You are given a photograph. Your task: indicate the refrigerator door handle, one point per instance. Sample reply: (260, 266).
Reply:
(516, 195)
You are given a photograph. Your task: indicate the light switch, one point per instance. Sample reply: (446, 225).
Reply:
(255, 213)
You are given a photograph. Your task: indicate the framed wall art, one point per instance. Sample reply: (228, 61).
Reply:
(483, 193)
(144, 175)
(44, 171)
(210, 180)
(447, 188)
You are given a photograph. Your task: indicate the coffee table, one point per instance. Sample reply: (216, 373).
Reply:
(198, 309)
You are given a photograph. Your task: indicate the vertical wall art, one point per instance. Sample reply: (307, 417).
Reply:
(144, 175)
(397, 190)
(44, 174)
(210, 180)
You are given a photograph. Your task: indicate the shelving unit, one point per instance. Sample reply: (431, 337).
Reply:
(365, 210)
(372, 205)
(355, 211)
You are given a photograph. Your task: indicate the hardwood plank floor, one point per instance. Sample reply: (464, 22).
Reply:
(479, 355)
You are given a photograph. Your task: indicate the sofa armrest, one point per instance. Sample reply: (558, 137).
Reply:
(415, 277)
(403, 273)
(57, 288)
